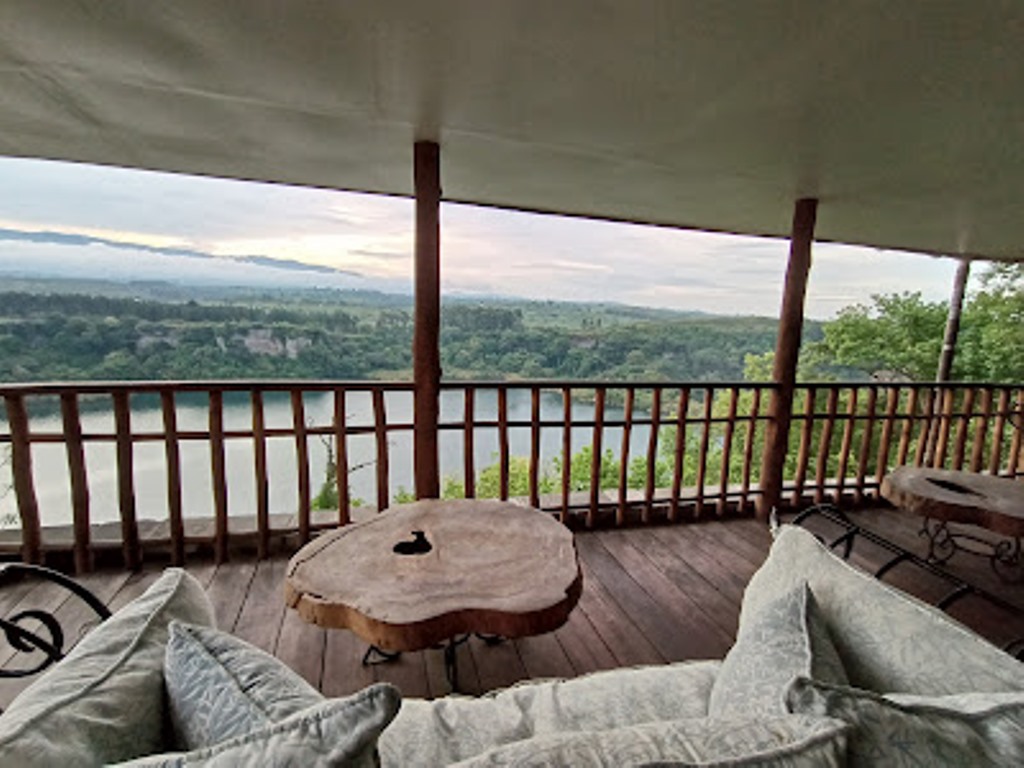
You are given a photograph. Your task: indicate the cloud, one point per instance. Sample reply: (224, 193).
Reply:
(484, 250)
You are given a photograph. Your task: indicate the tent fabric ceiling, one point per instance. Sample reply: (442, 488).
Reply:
(904, 118)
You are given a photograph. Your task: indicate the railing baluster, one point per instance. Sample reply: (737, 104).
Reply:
(865, 444)
(627, 428)
(748, 450)
(1013, 467)
(468, 450)
(566, 451)
(503, 454)
(825, 446)
(79, 481)
(341, 457)
(652, 454)
(259, 447)
(24, 486)
(730, 426)
(679, 464)
(217, 471)
(945, 422)
(172, 456)
(702, 458)
(882, 466)
(804, 452)
(126, 480)
(302, 462)
(962, 427)
(846, 445)
(981, 430)
(595, 464)
(924, 434)
(381, 438)
(535, 447)
(997, 432)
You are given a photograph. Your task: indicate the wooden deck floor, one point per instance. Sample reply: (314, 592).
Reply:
(650, 595)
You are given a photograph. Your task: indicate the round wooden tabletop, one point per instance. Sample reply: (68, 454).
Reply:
(425, 572)
(995, 503)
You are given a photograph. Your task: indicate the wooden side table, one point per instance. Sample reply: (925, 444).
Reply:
(433, 571)
(943, 496)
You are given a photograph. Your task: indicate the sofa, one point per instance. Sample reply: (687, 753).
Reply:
(830, 667)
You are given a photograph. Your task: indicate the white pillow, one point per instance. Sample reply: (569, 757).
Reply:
(219, 686)
(889, 642)
(335, 732)
(784, 640)
(974, 730)
(104, 702)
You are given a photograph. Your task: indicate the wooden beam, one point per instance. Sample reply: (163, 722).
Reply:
(426, 351)
(787, 352)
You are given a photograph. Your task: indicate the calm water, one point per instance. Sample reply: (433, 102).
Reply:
(54, 493)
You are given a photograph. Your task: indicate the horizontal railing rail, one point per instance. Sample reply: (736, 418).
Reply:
(254, 460)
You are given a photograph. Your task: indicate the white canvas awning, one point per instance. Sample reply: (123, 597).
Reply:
(905, 119)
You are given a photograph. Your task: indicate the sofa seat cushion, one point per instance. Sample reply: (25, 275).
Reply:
(105, 701)
(889, 642)
(219, 686)
(786, 639)
(456, 728)
(779, 742)
(967, 729)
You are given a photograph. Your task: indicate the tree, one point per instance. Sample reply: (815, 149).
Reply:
(896, 333)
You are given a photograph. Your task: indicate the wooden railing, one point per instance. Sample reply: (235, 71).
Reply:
(609, 453)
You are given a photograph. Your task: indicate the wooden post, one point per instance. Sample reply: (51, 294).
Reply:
(787, 351)
(426, 352)
(956, 305)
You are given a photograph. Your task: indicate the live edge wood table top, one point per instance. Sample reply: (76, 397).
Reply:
(422, 573)
(995, 503)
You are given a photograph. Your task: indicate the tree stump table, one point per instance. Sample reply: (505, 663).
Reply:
(434, 571)
(943, 496)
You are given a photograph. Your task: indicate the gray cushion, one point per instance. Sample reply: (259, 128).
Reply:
(888, 641)
(784, 639)
(456, 728)
(219, 687)
(782, 742)
(971, 730)
(335, 732)
(105, 701)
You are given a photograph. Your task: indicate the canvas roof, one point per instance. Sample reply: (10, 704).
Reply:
(906, 119)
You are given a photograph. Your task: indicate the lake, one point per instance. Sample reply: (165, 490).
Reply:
(150, 472)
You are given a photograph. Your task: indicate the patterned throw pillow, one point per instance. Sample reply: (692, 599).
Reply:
(784, 639)
(969, 730)
(888, 641)
(780, 742)
(105, 701)
(219, 687)
(335, 732)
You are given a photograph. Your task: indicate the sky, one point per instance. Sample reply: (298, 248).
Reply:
(64, 219)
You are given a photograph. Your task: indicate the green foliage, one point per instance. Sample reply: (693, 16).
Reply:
(902, 334)
(898, 333)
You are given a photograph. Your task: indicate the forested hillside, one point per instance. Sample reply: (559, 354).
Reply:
(332, 334)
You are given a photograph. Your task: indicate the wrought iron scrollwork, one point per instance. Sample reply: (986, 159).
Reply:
(48, 637)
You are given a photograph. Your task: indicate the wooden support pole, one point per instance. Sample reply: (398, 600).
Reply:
(956, 305)
(945, 367)
(426, 351)
(787, 351)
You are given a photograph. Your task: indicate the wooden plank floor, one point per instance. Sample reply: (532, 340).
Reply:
(651, 595)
